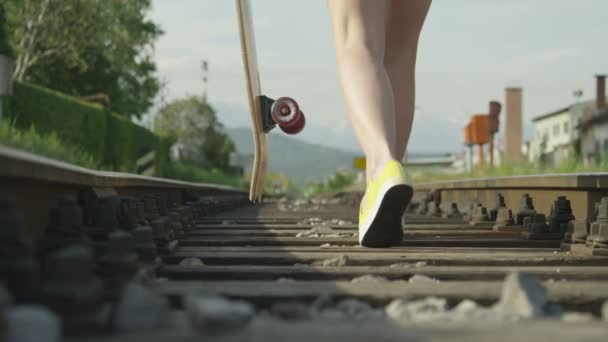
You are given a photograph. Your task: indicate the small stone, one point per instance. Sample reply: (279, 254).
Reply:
(141, 309)
(30, 323)
(420, 264)
(577, 317)
(368, 278)
(330, 315)
(420, 310)
(336, 235)
(178, 323)
(325, 245)
(522, 295)
(191, 262)
(354, 308)
(468, 310)
(5, 301)
(401, 265)
(322, 302)
(339, 261)
(320, 231)
(214, 315)
(419, 278)
(283, 280)
(301, 202)
(466, 305)
(291, 311)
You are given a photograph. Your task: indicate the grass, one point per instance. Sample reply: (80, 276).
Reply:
(504, 170)
(52, 147)
(49, 146)
(340, 181)
(424, 175)
(191, 173)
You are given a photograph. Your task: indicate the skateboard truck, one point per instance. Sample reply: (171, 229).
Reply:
(284, 112)
(266, 104)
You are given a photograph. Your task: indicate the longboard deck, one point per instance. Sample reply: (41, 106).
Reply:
(254, 90)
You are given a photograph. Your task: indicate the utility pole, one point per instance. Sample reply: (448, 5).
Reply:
(205, 69)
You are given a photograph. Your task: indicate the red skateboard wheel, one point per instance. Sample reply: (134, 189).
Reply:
(286, 112)
(296, 127)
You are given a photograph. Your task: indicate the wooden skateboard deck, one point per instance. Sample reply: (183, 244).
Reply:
(254, 91)
(265, 112)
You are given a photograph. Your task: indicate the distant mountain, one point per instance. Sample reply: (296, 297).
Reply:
(300, 160)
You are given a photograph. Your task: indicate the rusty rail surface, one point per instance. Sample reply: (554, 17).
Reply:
(125, 257)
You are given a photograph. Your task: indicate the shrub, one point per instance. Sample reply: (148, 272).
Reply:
(108, 137)
(73, 121)
(191, 173)
(5, 47)
(48, 145)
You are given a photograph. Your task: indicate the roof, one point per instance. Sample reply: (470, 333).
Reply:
(595, 118)
(582, 107)
(544, 116)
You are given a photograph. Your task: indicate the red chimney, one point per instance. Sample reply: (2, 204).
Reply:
(601, 91)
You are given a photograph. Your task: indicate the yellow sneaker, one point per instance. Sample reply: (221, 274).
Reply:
(386, 199)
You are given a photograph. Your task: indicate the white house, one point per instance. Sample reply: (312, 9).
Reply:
(555, 132)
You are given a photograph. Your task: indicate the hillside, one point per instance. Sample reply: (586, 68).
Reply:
(300, 160)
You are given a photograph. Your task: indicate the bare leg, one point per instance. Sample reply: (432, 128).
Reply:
(360, 34)
(404, 26)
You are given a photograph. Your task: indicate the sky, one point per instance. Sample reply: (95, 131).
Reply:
(469, 51)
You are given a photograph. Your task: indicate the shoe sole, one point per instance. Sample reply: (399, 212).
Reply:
(385, 230)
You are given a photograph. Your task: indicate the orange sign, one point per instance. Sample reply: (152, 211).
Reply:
(480, 131)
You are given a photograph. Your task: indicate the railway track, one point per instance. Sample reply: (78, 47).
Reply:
(122, 257)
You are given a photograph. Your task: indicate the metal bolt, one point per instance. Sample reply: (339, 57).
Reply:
(580, 231)
(433, 209)
(143, 237)
(120, 262)
(161, 203)
(176, 224)
(452, 211)
(422, 208)
(536, 224)
(598, 232)
(526, 209)
(105, 219)
(150, 208)
(479, 216)
(65, 216)
(504, 218)
(64, 227)
(561, 214)
(72, 290)
(499, 203)
(19, 269)
(127, 213)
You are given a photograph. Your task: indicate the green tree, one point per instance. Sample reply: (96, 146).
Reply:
(5, 48)
(82, 47)
(199, 134)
